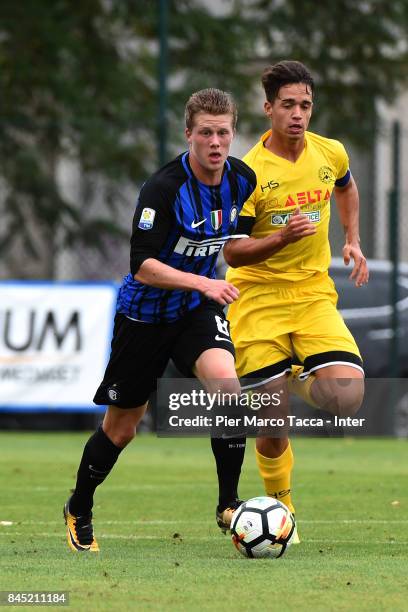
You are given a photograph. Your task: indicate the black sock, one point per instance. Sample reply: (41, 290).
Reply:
(229, 456)
(99, 457)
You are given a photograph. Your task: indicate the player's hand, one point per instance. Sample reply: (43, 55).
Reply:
(299, 226)
(220, 291)
(360, 273)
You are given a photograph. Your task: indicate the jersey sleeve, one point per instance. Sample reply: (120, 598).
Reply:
(244, 227)
(342, 166)
(246, 217)
(151, 224)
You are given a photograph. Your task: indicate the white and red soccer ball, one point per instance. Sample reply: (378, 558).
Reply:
(262, 527)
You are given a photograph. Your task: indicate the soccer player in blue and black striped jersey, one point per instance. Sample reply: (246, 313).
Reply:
(170, 305)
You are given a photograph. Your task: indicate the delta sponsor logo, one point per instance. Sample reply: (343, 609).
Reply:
(308, 197)
(314, 217)
(204, 248)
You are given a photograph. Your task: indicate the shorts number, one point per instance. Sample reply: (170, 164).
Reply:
(222, 325)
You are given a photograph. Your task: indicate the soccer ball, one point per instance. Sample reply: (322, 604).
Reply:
(262, 527)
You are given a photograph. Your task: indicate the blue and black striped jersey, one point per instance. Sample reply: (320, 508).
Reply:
(184, 224)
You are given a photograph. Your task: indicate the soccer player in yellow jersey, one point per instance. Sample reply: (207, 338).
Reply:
(287, 301)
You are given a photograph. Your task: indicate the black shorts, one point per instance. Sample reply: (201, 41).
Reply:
(141, 351)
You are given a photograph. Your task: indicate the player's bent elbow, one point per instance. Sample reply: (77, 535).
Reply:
(230, 259)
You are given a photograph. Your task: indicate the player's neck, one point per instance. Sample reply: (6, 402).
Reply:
(204, 175)
(284, 147)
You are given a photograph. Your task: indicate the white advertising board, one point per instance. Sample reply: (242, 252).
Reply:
(54, 343)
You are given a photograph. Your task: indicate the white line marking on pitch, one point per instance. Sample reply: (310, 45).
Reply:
(180, 522)
(134, 487)
(113, 536)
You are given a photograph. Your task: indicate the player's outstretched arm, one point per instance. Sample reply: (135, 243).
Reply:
(247, 251)
(347, 202)
(157, 274)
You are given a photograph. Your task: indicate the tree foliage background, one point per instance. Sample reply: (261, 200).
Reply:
(79, 82)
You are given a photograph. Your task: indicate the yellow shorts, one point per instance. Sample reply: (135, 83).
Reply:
(271, 324)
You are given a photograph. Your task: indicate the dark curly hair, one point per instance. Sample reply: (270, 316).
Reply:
(285, 73)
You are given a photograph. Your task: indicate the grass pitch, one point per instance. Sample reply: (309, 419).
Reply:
(161, 549)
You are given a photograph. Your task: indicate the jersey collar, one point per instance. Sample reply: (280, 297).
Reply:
(186, 165)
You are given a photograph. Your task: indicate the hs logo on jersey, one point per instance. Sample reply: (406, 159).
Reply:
(270, 185)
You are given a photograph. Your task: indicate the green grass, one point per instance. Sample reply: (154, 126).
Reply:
(353, 554)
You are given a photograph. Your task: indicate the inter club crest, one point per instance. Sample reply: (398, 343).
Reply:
(216, 219)
(233, 214)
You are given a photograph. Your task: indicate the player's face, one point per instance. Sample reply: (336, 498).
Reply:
(291, 110)
(209, 140)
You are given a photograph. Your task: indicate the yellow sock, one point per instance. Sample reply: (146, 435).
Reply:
(276, 474)
(301, 388)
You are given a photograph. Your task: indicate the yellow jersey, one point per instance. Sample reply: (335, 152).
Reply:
(282, 186)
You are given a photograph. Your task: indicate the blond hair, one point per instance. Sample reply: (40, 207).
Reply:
(212, 101)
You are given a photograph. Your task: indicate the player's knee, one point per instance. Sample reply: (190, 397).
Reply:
(121, 436)
(350, 402)
(225, 391)
(342, 397)
(223, 378)
(229, 386)
(271, 447)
